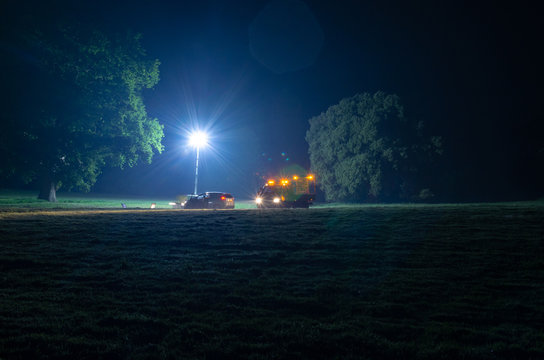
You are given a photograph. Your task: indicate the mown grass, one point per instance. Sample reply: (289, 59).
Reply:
(10, 199)
(374, 282)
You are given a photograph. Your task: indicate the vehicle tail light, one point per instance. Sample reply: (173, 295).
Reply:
(223, 198)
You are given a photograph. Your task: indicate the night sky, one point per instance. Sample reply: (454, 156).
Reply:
(254, 72)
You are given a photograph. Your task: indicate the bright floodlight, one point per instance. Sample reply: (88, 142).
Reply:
(198, 139)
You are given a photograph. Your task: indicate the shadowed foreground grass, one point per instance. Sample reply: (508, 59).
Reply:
(379, 282)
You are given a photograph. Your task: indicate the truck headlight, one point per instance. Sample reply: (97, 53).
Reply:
(276, 200)
(259, 200)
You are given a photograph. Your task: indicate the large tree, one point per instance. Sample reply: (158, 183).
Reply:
(365, 149)
(74, 106)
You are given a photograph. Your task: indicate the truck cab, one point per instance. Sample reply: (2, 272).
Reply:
(293, 192)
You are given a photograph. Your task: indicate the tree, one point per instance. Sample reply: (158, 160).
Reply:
(80, 109)
(364, 148)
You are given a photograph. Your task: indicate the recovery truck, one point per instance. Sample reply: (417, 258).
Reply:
(293, 192)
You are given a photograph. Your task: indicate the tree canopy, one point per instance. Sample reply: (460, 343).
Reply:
(365, 149)
(82, 107)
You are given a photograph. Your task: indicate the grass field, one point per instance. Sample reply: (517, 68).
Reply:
(10, 199)
(333, 282)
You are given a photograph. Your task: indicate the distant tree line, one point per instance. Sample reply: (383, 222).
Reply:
(365, 149)
(73, 104)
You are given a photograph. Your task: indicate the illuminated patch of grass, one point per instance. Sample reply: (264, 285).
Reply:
(28, 199)
(10, 199)
(383, 282)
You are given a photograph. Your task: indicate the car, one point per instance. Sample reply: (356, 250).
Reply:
(210, 200)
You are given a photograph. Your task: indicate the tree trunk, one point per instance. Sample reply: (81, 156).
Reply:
(48, 190)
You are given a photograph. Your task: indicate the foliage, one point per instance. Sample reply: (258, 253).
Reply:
(82, 107)
(364, 148)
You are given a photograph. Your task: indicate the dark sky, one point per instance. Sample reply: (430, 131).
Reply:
(254, 72)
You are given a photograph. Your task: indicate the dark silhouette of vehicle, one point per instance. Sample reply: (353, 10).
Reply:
(295, 192)
(210, 200)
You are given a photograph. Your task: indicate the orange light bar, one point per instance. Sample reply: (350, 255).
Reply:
(271, 182)
(284, 182)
